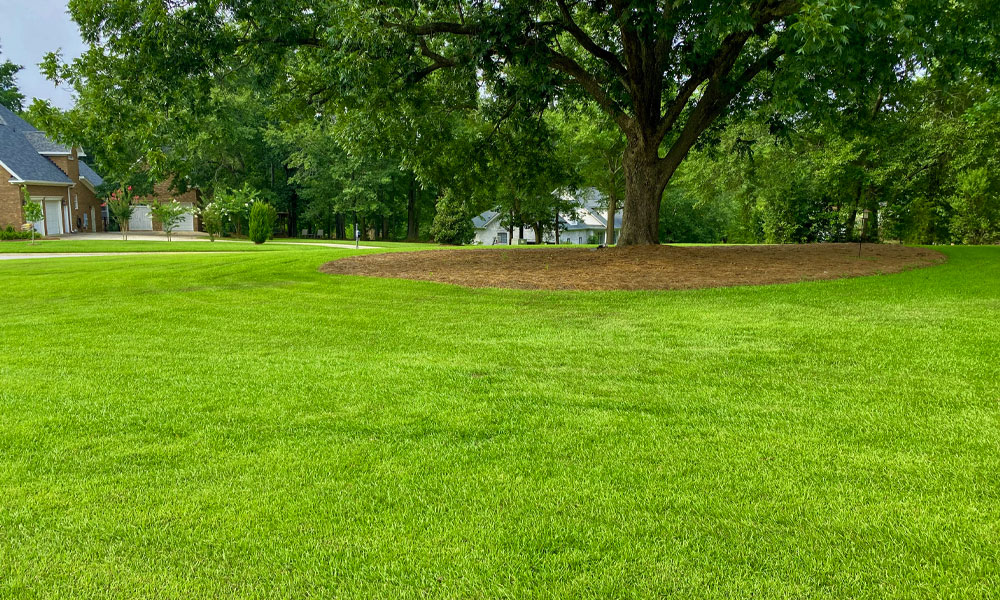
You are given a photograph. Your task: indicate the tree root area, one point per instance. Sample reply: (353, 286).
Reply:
(637, 268)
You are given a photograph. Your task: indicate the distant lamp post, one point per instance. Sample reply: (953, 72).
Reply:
(864, 222)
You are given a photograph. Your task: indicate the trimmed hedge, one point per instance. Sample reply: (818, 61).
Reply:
(9, 233)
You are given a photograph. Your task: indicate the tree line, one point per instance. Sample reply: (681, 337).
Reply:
(701, 120)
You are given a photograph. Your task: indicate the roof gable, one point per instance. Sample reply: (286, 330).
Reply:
(22, 150)
(89, 175)
(24, 163)
(481, 221)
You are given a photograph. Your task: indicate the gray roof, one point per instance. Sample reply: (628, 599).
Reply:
(90, 175)
(8, 118)
(24, 162)
(590, 198)
(44, 145)
(21, 149)
(480, 221)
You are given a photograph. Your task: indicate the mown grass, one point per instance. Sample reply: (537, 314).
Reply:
(56, 246)
(241, 425)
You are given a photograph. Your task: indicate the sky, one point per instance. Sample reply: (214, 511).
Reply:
(29, 29)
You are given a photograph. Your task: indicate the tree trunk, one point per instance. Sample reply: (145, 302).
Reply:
(412, 216)
(646, 176)
(557, 227)
(510, 229)
(539, 230)
(609, 236)
(852, 217)
(293, 215)
(385, 228)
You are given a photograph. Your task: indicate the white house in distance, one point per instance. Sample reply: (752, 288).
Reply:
(586, 225)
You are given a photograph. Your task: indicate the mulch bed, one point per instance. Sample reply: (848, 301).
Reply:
(642, 268)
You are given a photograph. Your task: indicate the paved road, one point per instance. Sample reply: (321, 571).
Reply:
(28, 255)
(147, 237)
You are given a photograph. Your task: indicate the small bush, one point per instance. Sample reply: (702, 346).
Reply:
(211, 220)
(169, 214)
(976, 217)
(263, 216)
(452, 223)
(234, 206)
(10, 233)
(121, 205)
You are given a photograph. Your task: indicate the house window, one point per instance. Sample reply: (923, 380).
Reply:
(502, 237)
(579, 240)
(76, 202)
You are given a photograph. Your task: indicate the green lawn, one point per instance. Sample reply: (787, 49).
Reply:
(241, 425)
(53, 246)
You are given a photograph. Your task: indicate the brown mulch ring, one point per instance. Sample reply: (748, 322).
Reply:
(637, 268)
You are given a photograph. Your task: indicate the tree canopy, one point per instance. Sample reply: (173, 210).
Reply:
(386, 106)
(10, 96)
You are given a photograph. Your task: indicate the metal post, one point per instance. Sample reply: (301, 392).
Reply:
(861, 234)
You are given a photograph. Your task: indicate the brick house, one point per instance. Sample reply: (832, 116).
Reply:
(142, 220)
(53, 175)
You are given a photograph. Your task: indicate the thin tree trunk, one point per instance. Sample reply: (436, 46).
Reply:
(538, 232)
(852, 217)
(609, 236)
(412, 215)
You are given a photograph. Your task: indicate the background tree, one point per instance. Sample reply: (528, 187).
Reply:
(452, 222)
(595, 146)
(169, 214)
(32, 212)
(212, 220)
(121, 207)
(10, 96)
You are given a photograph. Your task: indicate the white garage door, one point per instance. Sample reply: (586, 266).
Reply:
(141, 219)
(39, 225)
(53, 217)
(187, 220)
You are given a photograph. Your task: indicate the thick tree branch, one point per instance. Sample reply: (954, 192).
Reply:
(717, 70)
(589, 44)
(591, 85)
(437, 27)
(765, 61)
(665, 38)
(676, 106)
(437, 62)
